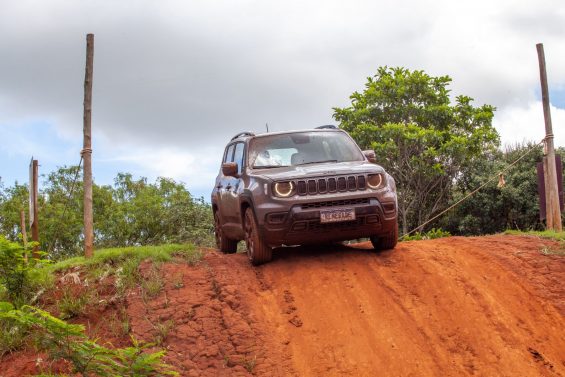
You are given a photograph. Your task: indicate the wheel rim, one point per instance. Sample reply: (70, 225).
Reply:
(249, 235)
(217, 231)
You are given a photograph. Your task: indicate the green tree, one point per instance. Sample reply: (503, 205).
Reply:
(61, 213)
(131, 212)
(495, 209)
(426, 142)
(12, 200)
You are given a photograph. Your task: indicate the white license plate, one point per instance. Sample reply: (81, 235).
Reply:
(337, 215)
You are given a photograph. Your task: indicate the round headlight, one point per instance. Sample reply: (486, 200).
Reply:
(284, 189)
(375, 181)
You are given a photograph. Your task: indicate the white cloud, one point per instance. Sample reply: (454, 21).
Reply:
(171, 77)
(517, 124)
(196, 168)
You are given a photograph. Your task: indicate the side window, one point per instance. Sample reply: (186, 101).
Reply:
(229, 154)
(238, 156)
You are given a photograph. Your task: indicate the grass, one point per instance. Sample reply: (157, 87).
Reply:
(71, 305)
(162, 330)
(117, 256)
(551, 251)
(122, 262)
(153, 284)
(178, 281)
(548, 234)
(119, 323)
(12, 336)
(249, 364)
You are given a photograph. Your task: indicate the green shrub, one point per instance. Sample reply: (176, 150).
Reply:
(68, 342)
(12, 333)
(429, 235)
(72, 305)
(16, 274)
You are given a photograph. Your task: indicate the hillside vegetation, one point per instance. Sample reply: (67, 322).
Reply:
(132, 212)
(36, 297)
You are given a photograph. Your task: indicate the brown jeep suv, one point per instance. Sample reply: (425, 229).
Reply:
(301, 187)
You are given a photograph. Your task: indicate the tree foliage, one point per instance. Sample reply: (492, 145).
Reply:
(130, 212)
(495, 209)
(426, 142)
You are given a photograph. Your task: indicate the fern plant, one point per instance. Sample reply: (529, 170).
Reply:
(69, 342)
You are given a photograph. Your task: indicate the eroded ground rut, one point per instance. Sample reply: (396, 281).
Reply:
(487, 306)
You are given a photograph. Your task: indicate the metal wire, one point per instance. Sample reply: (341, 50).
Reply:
(494, 177)
(55, 238)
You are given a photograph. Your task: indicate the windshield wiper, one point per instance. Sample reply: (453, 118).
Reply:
(269, 166)
(315, 162)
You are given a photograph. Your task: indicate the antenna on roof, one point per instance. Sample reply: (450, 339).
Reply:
(267, 126)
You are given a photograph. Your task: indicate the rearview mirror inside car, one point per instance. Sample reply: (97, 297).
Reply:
(371, 156)
(229, 169)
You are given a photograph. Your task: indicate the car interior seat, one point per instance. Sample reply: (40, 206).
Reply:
(297, 158)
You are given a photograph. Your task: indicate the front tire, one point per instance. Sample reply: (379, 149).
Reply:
(226, 245)
(257, 251)
(386, 241)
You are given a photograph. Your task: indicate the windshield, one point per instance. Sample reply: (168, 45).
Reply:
(302, 148)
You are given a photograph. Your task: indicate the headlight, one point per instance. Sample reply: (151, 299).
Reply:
(376, 181)
(284, 189)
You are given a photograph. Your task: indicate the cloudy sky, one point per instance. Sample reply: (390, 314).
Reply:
(174, 80)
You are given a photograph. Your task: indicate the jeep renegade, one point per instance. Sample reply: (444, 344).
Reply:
(301, 187)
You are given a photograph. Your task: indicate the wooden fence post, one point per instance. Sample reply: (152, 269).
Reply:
(87, 149)
(553, 213)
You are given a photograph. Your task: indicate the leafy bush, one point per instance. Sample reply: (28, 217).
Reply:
(15, 271)
(67, 341)
(429, 235)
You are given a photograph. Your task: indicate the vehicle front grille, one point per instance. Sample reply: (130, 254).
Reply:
(332, 184)
(335, 203)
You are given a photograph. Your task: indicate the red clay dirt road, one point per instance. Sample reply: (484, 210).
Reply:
(485, 306)
(479, 306)
(490, 306)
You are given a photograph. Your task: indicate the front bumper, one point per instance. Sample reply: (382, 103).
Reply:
(301, 224)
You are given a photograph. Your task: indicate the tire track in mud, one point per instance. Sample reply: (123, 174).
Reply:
(212, 330)
(444, 307)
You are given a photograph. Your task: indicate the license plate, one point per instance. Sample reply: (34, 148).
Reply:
(337, 215)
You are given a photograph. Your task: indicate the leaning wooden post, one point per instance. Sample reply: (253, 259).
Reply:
(24, 232)
(553, 212)
(87, 149)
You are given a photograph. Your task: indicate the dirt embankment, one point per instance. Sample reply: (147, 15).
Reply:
(489, 306)
(485, 306)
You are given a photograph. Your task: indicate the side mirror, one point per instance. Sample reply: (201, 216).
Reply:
(370, 155)
(229, 169)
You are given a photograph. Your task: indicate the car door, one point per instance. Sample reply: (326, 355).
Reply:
(222, 183)
(233, 188)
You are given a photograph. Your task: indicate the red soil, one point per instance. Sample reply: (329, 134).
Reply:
(487, 306)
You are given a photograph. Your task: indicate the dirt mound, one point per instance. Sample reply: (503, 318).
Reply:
(487, 306)
(455, 306)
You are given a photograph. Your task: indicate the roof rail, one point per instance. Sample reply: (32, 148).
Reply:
(327, 126)
(245, 133)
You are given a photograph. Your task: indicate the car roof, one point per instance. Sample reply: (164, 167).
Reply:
(249, 135)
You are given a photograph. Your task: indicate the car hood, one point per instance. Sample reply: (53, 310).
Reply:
(316, 170)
